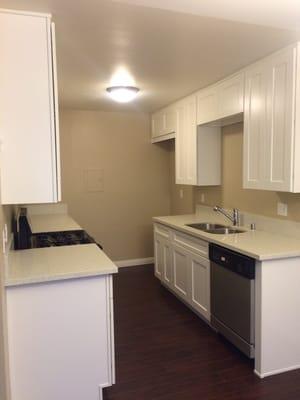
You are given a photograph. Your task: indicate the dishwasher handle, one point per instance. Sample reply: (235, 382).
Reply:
(235, 262)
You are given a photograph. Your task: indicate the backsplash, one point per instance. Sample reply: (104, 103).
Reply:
(262, 223)
(231, 193)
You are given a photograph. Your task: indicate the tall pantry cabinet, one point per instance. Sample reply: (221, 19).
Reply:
(29, 132)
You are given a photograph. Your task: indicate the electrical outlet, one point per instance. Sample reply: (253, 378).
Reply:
(202, 198)
(282, 209)
(181, 193)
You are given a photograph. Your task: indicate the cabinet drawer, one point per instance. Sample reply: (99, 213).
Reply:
(162, 230)
(191, 243)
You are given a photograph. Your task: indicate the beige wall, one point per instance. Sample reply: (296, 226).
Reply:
(136, 178)
(231, 194)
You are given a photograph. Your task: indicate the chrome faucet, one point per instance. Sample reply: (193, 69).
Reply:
(234, 218)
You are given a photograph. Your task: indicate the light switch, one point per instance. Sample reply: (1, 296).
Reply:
(93, 180)
(181, 193)
(202, 198)
(282, 209)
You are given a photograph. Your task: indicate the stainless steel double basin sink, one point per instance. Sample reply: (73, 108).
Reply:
(217, 229)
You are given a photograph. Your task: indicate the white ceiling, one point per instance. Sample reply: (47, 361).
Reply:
(276, 13)
(170, 54)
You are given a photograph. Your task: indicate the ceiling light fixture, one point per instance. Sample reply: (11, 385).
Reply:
(122, 94)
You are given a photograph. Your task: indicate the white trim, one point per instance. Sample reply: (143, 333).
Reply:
(28, 13)
(56, 156)
(134, 262)
(276, 371)
(162, 138)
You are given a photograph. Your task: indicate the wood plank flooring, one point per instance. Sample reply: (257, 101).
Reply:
(165, 352)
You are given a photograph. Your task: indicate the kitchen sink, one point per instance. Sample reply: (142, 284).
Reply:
(217, 229)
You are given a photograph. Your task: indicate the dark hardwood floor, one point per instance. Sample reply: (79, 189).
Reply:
(165, 352)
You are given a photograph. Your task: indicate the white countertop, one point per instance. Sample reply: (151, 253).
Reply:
(257, 244)
(57, 263)
(52, 223)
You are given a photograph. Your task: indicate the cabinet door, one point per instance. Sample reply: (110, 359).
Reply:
(158, 256)
(181, 271)
(170, 120)
(167, 265)
(200, 285)
(255, 127)
(207, 105)
(163, 259)
(27, 117)
(279, 155)
(55, 344)
(158, 124)
(186, 142)
(231, 96)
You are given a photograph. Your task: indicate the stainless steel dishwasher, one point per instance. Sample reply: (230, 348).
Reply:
(232, 297)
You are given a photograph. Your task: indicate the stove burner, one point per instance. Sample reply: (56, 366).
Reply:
(64, 238)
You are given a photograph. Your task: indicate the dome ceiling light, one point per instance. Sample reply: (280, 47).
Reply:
(123, 94)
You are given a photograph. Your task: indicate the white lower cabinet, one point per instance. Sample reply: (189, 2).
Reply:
(200, 284)
(181, 271)
(163, 261)
(184, 268)
(61, 339)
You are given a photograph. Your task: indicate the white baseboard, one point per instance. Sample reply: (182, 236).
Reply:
(134, 262)
(276, 372)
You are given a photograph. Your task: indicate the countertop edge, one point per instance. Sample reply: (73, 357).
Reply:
(58, 278)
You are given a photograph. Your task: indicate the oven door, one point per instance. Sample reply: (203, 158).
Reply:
(232, 307)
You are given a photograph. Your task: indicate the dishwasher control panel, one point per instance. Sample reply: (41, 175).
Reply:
(233, 261)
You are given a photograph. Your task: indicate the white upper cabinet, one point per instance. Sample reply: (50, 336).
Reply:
(198, 149)
(186, 142)
(164, 124)
(30, 165)
(207, 105)
(231, 96)
(271, 143)
(255, 118)
(222, 100)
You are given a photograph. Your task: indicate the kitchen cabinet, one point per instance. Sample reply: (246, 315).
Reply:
(186, 142)
(29, 132)
(163, 260)
(271, 123)
(163, 256)
(164, 124)
(197, 149)
(200, 284)
(231, 96)
(181, 272)
(61, 339)
(207, 105)
(221, 101)
(185, 259)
